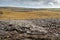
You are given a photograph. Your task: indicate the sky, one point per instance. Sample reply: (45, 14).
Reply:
(30, 3)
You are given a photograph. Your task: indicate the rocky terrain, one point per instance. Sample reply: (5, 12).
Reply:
(34, 29)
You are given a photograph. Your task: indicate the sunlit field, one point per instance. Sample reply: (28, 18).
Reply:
(7, 13)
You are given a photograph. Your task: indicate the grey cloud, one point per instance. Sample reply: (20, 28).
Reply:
(31, 3)
(38, 2)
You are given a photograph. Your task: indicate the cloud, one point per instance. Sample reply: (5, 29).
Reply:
(31, 3)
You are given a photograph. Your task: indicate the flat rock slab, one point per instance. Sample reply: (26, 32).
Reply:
(34, 29)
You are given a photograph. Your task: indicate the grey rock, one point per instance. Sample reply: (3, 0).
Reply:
(34, 29)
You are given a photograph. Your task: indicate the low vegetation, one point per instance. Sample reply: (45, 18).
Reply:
(14, 13)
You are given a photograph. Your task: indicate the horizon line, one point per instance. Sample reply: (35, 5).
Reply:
(29, 7)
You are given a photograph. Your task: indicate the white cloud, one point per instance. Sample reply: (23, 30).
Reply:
(31, 3)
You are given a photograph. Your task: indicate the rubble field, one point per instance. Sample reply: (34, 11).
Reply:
(33, 29)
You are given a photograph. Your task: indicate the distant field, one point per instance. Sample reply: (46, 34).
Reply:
(54, 9)
(13, 14)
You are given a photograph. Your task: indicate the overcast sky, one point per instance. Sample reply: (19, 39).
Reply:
(31, 3)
